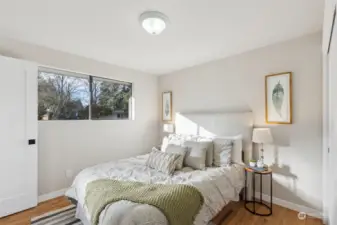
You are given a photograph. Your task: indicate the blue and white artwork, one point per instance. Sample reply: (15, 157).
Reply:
(278, 98)
(167, 106)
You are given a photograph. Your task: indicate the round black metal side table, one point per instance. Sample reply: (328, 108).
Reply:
(255, 201)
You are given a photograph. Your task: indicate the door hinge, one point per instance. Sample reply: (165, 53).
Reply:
(328, 150)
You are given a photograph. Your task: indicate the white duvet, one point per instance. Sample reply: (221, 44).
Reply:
(218, 185)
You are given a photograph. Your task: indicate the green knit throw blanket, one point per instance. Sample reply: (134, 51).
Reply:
(180, 203)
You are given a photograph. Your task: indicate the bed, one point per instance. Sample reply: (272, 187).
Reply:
(218, 185)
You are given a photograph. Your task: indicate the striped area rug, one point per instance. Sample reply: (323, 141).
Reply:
(63, 216)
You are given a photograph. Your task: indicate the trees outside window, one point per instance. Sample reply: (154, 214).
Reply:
(66, 97)
(110, 99)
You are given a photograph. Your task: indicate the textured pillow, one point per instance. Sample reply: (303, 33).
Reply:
(196, 154)
(222, 151)
(162, 161)
(180, 151)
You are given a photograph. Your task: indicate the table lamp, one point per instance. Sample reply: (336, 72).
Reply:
(262, 136)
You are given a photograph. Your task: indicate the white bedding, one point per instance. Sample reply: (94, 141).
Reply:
(218, 185)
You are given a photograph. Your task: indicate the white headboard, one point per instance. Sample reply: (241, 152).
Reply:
(218, 124)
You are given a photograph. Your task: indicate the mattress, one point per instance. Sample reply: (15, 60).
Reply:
(218, 185)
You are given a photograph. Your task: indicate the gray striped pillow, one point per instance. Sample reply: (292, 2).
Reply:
(178, 150)
(162, 162)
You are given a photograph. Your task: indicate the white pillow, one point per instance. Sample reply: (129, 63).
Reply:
(237, 149)
(179, 139)
(222, 151)
(178, 150)
(172, 139)
(164, 144)
(196, 154)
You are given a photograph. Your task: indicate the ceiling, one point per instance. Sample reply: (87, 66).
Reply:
(199, 30)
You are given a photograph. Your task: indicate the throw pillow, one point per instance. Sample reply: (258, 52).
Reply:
(178, 150)
(179, 139)
(195, 155)
(222, 151)
(162, 161)
(236, 153)
(210, 149)
(164, 144)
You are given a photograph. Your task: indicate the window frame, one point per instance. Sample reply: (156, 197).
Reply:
(90, 79)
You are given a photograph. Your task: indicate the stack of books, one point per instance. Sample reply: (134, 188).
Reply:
(259, 169)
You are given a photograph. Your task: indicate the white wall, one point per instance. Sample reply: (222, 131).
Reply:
(238, 83)
(75, 145)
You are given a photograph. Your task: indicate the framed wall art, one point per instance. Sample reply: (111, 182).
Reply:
(167, 106)
(278, 98)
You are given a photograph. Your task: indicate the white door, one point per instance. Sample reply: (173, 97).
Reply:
(18, 125)
(331, 175)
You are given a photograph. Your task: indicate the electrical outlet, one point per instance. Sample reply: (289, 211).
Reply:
(69, 173)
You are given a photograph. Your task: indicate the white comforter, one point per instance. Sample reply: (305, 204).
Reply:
(218, 185)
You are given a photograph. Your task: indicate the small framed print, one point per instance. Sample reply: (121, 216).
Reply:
(167, 106)
(278, 98)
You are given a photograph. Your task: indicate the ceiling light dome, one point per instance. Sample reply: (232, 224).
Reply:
(153, 22)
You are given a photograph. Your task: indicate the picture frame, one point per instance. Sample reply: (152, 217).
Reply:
(167, 106)
(278, 98)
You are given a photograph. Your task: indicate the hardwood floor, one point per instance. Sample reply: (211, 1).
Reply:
(281, 216)
(23, 218)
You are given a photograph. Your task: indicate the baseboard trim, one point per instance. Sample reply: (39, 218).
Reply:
(293, 206)
(51, 195)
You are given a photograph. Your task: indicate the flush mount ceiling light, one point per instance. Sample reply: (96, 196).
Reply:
(153, 22)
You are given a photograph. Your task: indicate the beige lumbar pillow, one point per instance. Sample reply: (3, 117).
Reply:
(180, 151)
(210, 149)
(196, 154)
(162, 161)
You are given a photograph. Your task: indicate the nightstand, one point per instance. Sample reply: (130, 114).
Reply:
(254, 200)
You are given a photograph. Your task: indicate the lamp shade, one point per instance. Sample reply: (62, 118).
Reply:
(262, 136)
(168, 128)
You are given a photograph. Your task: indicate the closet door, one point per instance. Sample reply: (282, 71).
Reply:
(332, 127)
(18, 125)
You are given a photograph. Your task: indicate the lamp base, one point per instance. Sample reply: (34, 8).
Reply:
(260, 162)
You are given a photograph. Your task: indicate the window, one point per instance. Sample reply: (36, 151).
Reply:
(62, 97)
(110, 99)
(69, 96)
